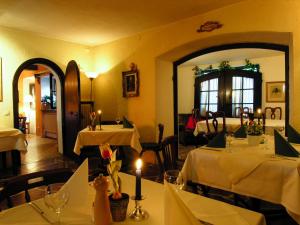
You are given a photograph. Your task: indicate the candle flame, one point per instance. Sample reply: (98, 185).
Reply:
(138, 164)
(99, 111)
(259, 111)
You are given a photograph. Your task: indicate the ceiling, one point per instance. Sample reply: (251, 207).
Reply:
(94, 22)
(231, 55)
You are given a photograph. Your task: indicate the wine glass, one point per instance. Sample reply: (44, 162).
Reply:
(56, 198)
(118, 120)
(174, 177)
(229, 138)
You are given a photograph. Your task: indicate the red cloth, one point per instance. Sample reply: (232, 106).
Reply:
(191, 123)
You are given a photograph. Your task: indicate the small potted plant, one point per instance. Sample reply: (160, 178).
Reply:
(254, 131)
(118, 200)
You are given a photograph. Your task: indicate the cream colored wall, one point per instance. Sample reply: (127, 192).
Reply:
(272, 68)
(154, 52)
(274, 22)
(17, 47)
(186, 91)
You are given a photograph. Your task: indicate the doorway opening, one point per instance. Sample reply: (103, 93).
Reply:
(38, 97)
(226, 96)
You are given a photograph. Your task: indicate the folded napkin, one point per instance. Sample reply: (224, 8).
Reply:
(219, 141)
(282, 147)
(179, 213)
(77, 186)
(241, 132)
(293, 135)
(127, 123)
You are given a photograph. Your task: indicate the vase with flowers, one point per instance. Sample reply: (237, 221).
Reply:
(254, 131)
(93, 121)
(118, 200)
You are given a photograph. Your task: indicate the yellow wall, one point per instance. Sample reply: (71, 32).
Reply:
(154, 51)
(17, 47)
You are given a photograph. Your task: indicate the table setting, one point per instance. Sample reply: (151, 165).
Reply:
(268, 169)
(80, 202)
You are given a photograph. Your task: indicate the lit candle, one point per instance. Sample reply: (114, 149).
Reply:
(99, 114)
(259, 114)
(138, 165)
(259, 111)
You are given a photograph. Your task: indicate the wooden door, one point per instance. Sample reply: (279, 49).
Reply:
(72, 107)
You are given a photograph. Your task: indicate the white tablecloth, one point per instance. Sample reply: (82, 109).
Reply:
(250, 171)
(12, 139)
(232, 124)
(112, 134)
(218, 213)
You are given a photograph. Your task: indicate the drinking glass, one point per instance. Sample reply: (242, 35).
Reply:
(229, 138)
(174, 177)
(56, 198)
(118, 120)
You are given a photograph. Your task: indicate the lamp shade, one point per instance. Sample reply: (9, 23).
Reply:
(91, 74)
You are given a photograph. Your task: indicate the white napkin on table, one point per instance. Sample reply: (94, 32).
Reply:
(176, 212)
(77, 186)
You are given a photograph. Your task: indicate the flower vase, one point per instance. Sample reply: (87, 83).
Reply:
(254, 140)
(118, 207)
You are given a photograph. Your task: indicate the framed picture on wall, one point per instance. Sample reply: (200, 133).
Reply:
(1, 87)
(275, 91)
(130, 80)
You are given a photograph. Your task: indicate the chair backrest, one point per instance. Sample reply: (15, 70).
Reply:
(170, 152)
(22, 123)
(161, 132)
(273, 113)
(214, 117)
(240, 111)
(15, 185)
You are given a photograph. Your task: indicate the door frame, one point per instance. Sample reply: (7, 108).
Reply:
(56, 69)
(270, 46)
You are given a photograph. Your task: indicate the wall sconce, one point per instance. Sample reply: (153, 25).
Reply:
(91, 76)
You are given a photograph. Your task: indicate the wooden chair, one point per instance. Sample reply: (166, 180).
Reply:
(170, 152)
(275, 113)
(155, 146)
(27, 182)
(214, 117)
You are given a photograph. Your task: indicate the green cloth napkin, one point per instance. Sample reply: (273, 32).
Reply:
(241, 132)
(282, 147)
(219, 141)
(293, 135)
(127, 123)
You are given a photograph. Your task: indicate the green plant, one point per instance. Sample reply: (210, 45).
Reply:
(254, 128)
(251, 66)
(224, 65)
(197, 70)
(46, 99)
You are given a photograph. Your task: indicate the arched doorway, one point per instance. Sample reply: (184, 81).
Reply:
(59, 76)
(270, 46)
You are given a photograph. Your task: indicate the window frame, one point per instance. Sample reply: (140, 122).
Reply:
(225, 88)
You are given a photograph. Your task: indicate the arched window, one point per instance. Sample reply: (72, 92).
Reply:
(225, 90)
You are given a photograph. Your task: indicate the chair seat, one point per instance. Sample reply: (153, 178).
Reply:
(151, 146)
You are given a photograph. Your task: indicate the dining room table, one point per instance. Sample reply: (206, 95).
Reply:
(111, 134)
(209, 210)
(12, 142)
(253, 171)
(232, 124)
